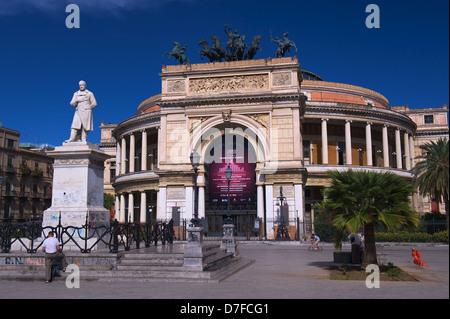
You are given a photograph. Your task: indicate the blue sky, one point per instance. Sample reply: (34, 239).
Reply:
(118, 51)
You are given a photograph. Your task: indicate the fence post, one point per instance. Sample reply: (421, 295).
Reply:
(58, 231)
(115, 234)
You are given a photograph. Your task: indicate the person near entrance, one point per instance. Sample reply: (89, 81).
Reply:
(51, 248)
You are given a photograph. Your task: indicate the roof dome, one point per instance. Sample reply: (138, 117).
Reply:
(310, 76)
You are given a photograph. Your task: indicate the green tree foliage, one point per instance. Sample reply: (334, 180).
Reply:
(108, 200)
(431, 172)
(364, 199)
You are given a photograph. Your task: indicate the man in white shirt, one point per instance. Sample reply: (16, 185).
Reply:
(52, 251)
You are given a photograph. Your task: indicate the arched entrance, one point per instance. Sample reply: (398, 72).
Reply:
(231, 148)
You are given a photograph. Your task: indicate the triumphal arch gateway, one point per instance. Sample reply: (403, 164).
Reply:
(276, 126)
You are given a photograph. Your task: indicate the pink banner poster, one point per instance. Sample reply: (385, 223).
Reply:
(242, 185)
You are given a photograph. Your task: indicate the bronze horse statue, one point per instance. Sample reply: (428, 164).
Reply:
(283, 45)
(178, 53)
(207, 52)
(217, 46)
(254, 47)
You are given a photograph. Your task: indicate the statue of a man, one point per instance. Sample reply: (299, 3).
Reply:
(82, 123)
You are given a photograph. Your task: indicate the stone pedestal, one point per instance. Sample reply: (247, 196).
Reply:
(77, 186)
(194, 251)
(228, 240)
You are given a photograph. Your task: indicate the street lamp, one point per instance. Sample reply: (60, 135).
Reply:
(228, 173)
(195, 162)
(282, 231)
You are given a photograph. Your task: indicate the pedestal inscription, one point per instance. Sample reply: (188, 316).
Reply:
(228, 240)
(77, 186)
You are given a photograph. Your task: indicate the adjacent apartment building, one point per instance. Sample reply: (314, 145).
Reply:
(26, 175)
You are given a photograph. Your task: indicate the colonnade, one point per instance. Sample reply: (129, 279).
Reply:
(127, 149)
(121, 202)
(408, 142)
(121, 154)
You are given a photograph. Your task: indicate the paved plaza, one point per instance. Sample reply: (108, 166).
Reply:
(280, 271)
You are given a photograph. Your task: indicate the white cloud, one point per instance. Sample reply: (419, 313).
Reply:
(16, 7)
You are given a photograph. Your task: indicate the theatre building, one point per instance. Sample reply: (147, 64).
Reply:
(277, 127)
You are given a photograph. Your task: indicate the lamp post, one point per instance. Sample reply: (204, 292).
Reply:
(228, 239)
(228, 173)
(282, 231)
(195, 162)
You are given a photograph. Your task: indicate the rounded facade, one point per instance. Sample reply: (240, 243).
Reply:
(279, 128)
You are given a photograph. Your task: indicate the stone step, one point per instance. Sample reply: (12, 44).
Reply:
(154, 267)
(217, 258)
(154, 264)
(134, 273)
(171, 275)
(151, 261)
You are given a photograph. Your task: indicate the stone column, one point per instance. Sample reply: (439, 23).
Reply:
(298, 147)
(162, 203)
(143, 207)
(398, 149)
(260, 179)
(130, 207)
(189, 204)
(122, 208)
(118, 159)
(117, 208)
(369, 143)
(407, 156)
(324, 142)
(269, 211)
(385, 146)
(132, 152)
(260, 201)
(162, 140)
(123, 157)
(201, 202)
(144, 151)
(411, 151)
(298, 191)
(348, 142)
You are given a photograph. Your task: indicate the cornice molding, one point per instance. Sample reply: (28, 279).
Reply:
(138, 122)
(366, 113)
(220, 100)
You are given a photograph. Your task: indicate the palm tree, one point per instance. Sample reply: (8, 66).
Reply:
(431, 173)
(365, 199)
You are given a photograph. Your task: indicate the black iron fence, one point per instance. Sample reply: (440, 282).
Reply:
(253, 228)
(114, 237)
(124, 236)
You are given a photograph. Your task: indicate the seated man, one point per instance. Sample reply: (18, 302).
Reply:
(52, 251)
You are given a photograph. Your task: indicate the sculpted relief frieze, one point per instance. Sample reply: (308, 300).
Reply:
(196, 122)
(78, 162)
(283, 78)
(176, 86)
(229, 83)
(262, 119)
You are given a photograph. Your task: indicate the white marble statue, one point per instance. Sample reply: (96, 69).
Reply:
(82, 123)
